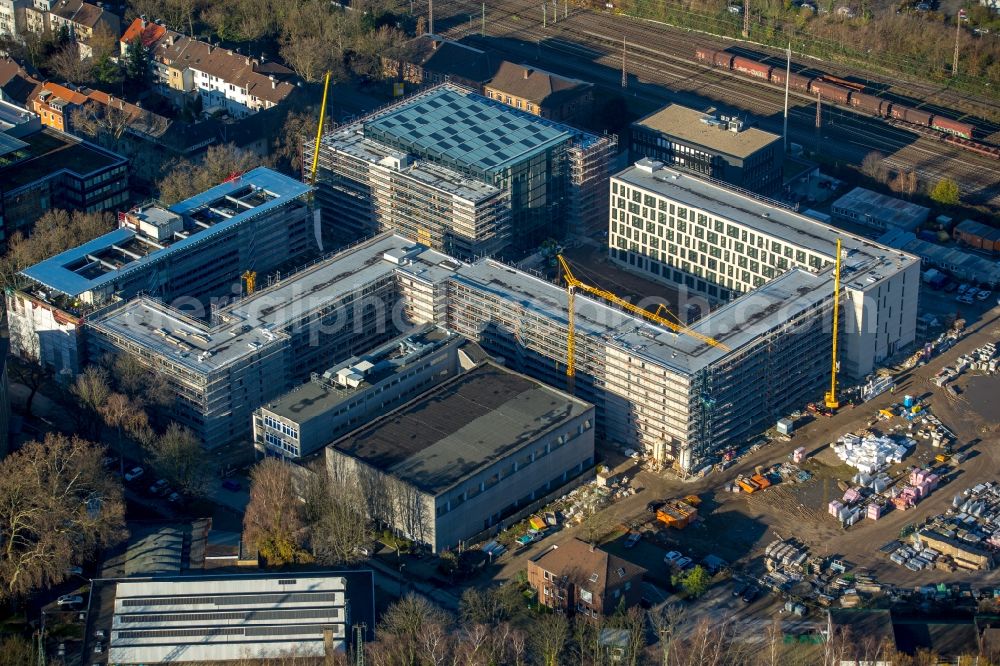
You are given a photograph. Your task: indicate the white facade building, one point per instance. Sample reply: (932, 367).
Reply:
(684, 230)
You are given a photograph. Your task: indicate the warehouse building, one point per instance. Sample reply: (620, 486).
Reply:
(467, 455)
(195, 250)
(342, 398)
(878, 211)
(721, 147)
(229, 618)
(960, 264)
(684, 230)
(978, 235)
(503, 177)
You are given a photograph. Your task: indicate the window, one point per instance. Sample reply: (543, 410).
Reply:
(586, 596)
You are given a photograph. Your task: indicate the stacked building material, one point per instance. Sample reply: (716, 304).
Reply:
(871, 453)
(874, 511)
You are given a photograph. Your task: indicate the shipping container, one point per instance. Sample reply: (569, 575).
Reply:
(795, 81)
(963, 130)
(758, 70)
(911, 115)
(869, 103)
(830, 91)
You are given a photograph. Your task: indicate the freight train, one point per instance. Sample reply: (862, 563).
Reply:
(834, 90)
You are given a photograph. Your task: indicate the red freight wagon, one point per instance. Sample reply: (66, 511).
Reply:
(831, 91)
(705, 55)
(870, 103)
(758, 70)
(723, 59)
(963, 130)
(911, 115)
(795, 81)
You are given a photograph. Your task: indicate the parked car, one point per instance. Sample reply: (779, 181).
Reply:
(174, 498)
(683, 563)
(158, 487)
(750, 594)
(98, 648)
(99, 634)
(739, 588)
(983, 294)
(74, 571)
(633, 538)
(962, 288)
(672, 557)
(69, 600)
(134, 473)
(231, 484)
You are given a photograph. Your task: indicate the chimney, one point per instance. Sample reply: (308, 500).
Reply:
(248, 60)
(274, 84)
(144, 21)
(591, 546)
(527, 73)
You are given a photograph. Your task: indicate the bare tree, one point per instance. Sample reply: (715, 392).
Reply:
(272, 524)
(873, 166)
(335, 516)
(67, 64)
(406, 625)
(98, 120)
(103, 42)
(665, 623)
(178, 457)
(186, 178)
(91, 390)
(549, 637)
(57, 506)
(32, 375)
(55, 231)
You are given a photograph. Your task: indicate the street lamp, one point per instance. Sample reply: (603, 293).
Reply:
(402, 565)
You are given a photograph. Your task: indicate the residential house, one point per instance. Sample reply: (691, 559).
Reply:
(225, 80)
(16, 85)
(434, 60)
(542, 93)
(578, 578)
(148, 32)
(9, 10)
(55, 105)
(81, 20)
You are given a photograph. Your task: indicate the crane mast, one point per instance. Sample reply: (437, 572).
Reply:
(831, 397)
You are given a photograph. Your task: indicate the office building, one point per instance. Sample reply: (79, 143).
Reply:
(42, 169)
(347, 395)
(551, 176)
(466, 455)
(878, 211)
(258, 348)
(580, 579)
(195, 250)
(229, 618)
(681, 229)
(721, 147)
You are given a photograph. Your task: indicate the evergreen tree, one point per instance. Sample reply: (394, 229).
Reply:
(136, 63)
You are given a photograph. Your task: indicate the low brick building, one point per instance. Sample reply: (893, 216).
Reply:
(978, 235)
(577, 578)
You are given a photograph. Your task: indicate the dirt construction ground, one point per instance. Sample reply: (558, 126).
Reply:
(737, 527)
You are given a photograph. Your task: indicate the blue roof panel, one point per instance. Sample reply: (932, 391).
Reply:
(467, 129)
(55, 274)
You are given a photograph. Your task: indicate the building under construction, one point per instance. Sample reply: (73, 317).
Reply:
(462, 173)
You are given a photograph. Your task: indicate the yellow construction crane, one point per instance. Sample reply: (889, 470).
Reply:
(572, 284)
(831, 397)
(250, 279)
(319, 130)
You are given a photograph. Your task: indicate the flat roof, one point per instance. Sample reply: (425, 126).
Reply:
(62, 272)
(460, 427)
(892, 211)
(350, 140)
(50, 152)
(220, 618)
(258, 321)
(323, 392)
(735, 324)
(984, 269)
(764, 216)
(465, 129)
(687, 125)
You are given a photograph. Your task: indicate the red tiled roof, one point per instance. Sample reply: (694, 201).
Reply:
(63, 93)
(149, 34)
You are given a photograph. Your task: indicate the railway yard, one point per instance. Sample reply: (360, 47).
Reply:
(662, 67)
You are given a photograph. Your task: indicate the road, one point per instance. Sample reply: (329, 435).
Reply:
(661, 69)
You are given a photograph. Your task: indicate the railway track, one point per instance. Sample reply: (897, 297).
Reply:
(575, 37)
